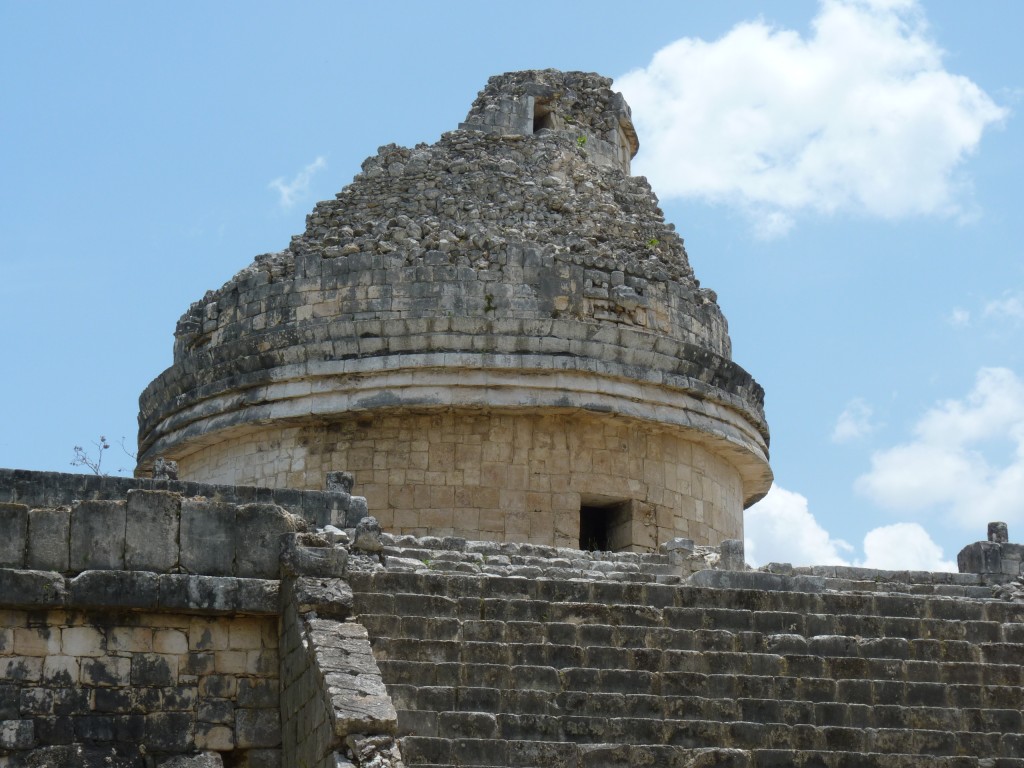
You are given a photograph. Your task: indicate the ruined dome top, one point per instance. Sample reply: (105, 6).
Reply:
(517, 244)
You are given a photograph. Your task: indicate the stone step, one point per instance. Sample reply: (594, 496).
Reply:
(785, 687)
(418, 707)
(674, 662)
(874, 604)
(427, 752)
(431, 751)
(696, 733)
(882, 616)
(567, 633)
(789, 758)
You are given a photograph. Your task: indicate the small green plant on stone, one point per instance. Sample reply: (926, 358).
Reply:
(489, 303)
(581, 141)
(653, 242)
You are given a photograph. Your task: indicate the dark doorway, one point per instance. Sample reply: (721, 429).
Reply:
(606, 526)
(594, 525)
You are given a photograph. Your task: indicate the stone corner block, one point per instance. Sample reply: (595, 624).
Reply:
(259, 528)
(329, 597)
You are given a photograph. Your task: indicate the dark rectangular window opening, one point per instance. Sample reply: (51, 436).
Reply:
(606, 527)
(542, 117)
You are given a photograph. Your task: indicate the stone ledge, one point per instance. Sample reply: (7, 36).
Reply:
(138, 590)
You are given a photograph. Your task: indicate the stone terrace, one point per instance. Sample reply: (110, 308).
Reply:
(505, 655)
(140, 630)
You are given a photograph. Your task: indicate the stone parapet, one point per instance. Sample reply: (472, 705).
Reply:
(28, 488)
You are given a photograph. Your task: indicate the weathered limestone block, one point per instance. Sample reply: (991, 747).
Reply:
(340, 482)
(329, 597)
(14, 538)
(368, 533)
(17, 734)
(38, 589)
(49, 532)
(257, 728)
(97, 535)
(208, 535)
(115, 589)
(980, 557)
(169, 731)
(217, 594)
(151, 532)
(306, 555)
(260, 528)
(82, 756)
(202, 760)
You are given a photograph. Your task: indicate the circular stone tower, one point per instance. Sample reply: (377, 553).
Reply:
(498, 334)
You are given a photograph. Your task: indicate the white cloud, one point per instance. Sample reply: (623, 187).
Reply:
(959, 317)
(289, 192)
(780, 528)
(854, 422)
(1011, 306)
(904, 546)
(859, 116)
(966, 458)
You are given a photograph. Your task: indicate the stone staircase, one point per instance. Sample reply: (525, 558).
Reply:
(643, 667)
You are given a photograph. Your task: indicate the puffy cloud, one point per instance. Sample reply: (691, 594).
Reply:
(966, 457)
(904, 546)
(1010, 306)
(290, 192)
(854, 422)
(859, 116)
(780, 528)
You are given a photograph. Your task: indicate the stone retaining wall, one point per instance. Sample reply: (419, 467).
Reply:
(139, 618)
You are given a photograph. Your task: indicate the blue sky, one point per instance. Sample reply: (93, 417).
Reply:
(846, 176)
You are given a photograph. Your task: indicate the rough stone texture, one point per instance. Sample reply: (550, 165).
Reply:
(202, 760)
(57, 490)
(510, 271)
(825, 666)
(49, 533)
(14, 524)
(170, 681)
(331, 685)
(996, 556)
(151, 535)
(97, 535)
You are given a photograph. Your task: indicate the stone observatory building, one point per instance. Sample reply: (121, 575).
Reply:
(498, 334)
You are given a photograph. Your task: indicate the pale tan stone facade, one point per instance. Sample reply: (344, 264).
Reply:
(505, 476)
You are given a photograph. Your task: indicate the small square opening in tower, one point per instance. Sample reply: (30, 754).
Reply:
(542, 116)
(605, 525)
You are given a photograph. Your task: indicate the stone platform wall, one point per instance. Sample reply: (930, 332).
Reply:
(139, 620)
(174, 682)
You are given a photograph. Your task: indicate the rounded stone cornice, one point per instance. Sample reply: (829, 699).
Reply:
(321, 390)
